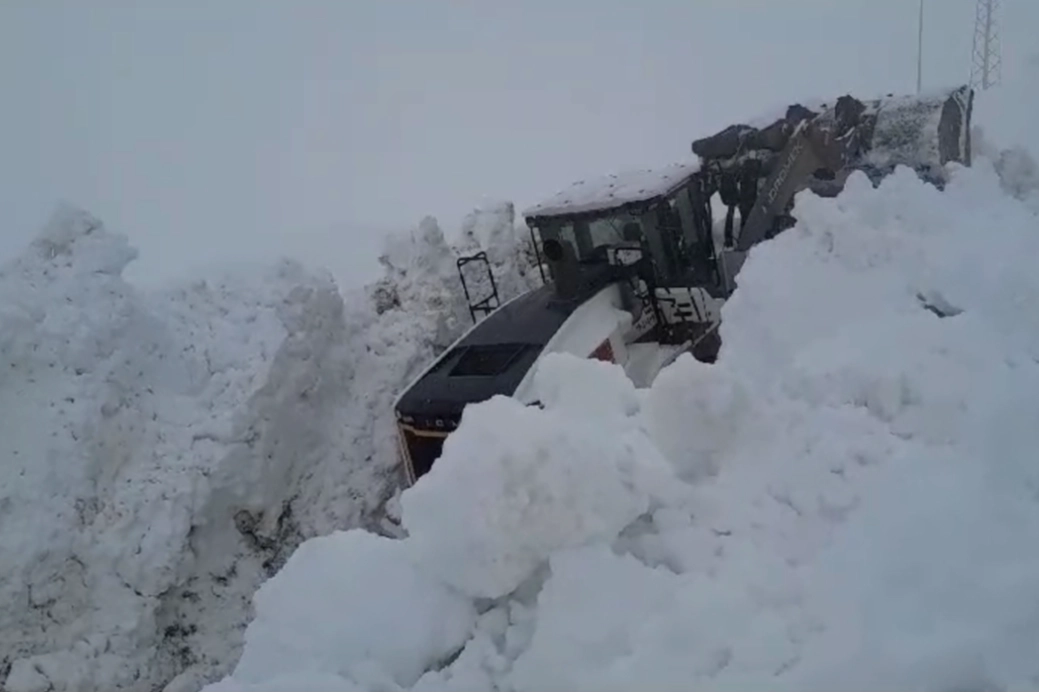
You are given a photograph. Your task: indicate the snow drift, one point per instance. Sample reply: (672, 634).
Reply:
(845, 500)
(162, 454)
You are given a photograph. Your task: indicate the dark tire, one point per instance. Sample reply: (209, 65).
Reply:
(706, 350)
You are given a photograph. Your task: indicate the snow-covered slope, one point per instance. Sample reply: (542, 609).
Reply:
(847, 499)
(162, 454)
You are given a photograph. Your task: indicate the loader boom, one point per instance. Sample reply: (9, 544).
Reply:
(797, 162)
(813, 149)
(760, 169)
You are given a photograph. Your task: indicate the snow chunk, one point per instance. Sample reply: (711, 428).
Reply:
(695, 413)
(584, 635)
(565, 383)
(74, 232)
(395, 623)
(534, 481)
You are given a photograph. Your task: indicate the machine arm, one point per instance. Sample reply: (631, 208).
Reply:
(826, 144)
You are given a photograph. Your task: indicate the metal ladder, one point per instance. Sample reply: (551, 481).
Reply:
(489, 303)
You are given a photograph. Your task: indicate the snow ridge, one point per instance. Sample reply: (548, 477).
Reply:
(164, 453)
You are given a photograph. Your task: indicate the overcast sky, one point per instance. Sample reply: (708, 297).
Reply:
(243, 129)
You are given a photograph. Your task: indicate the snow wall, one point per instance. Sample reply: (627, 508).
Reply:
(162, 454)
(847, 499)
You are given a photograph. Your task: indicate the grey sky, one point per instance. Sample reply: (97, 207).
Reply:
(244, 129)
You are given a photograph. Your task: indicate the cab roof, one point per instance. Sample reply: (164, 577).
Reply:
(613, 191)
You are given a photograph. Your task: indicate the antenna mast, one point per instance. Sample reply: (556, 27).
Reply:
(920, 50)
(986, 61)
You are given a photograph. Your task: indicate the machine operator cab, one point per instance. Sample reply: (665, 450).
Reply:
(648, 230)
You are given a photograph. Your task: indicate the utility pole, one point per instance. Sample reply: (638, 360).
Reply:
(986, 61)
(920, 49)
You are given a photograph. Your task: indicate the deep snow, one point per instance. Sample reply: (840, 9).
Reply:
(163, 453)
(845, 500)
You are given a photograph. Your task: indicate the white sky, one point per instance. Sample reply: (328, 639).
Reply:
(244, 129)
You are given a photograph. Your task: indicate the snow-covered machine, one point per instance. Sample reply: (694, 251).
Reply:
(632, 270)
(758, 168)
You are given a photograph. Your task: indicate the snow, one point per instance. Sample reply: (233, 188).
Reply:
(844, 500)
(770, 116)
(197, 483)
(162, 453)
(526, 506)
(907, 130)
(927, 99)
(587, 327)
(608, 192)
(427, 622)
(646, 359)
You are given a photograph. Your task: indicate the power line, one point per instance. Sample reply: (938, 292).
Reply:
(986, 61)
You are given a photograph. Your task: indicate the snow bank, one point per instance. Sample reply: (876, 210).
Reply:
(162, 454)
(846, 499)
(522, 504)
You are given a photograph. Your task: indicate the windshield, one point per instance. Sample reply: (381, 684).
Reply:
(587, 236)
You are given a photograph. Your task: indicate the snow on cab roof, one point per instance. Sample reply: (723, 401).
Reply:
(614, 190)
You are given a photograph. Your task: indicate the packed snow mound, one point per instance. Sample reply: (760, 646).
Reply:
(427, 622)
(846, 499)
(525, 505)
(162, 454)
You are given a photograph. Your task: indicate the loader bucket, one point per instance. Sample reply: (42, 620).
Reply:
(924, 132)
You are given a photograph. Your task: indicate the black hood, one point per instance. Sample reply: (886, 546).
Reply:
(492, 359)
